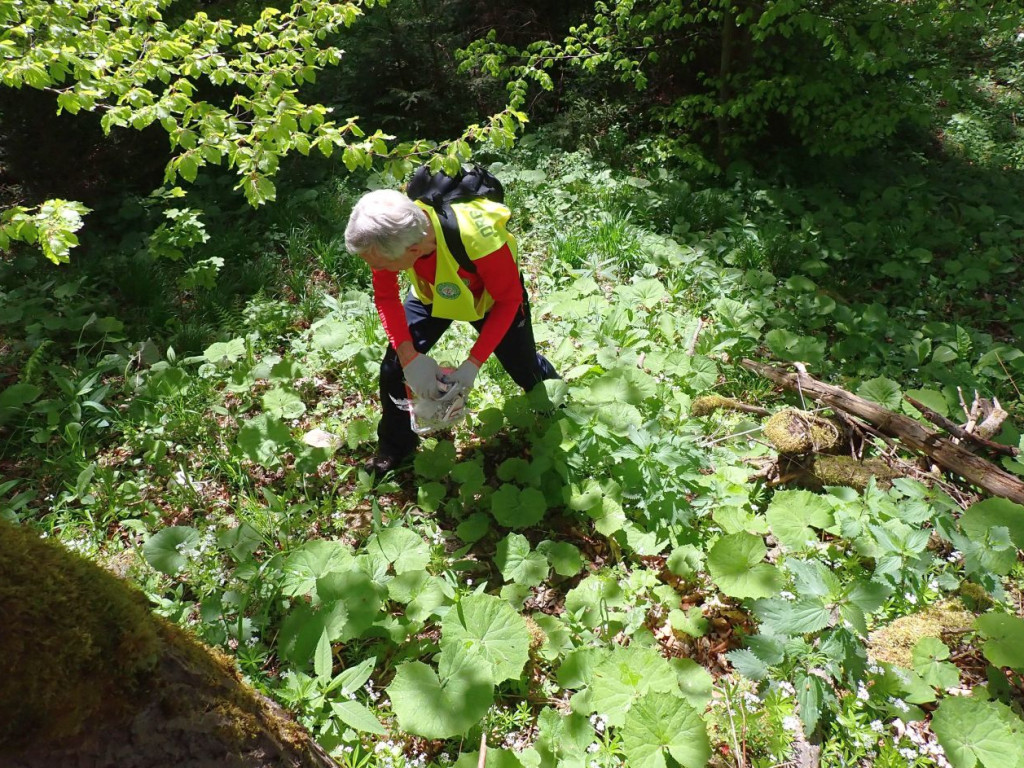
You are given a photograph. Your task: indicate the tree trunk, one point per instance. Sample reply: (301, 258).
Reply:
(725, 70)
(91, 678)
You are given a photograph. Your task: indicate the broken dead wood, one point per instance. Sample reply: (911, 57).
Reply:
(993, 422)
(947, 454)
(957, 431)
(817, 471)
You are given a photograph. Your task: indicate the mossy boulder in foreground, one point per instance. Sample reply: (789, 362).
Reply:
(89, 676)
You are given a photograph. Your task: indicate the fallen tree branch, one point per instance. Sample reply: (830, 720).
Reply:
(943, 451)
(957, 431)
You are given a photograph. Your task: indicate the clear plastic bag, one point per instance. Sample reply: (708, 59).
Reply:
(427, 415)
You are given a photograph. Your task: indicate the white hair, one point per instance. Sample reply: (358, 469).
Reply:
(385, 221)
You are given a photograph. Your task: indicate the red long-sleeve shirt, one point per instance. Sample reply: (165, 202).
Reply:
(497, 273)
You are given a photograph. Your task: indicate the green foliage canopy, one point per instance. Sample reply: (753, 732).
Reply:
(835, 76)
(226, 93)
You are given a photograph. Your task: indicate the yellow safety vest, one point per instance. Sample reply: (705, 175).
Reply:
(482, 228)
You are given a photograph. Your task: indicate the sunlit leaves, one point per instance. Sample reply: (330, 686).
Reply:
(283, 403)
(1004, 639)
(977, 732)
(793, 514)
(401, 547)
(595, 600)
(263, 439)
(691, 622)
(421, 593)
(518, 563)
(115, 58)
(309, 562)
(51, 226)
(884, 391)
(929, 660)
(735, 564)
(485, 628)
(986, 514)
(434, 463)
(442, 704)
(660, 725)
(625, 677)
(564, 557)
(516, 507)
(360, 595)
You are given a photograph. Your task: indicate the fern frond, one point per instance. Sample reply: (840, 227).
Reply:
(30, 371)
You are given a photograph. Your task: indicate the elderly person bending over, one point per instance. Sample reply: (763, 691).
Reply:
(392, 234)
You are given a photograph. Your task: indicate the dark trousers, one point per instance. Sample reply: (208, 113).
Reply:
(517, 353)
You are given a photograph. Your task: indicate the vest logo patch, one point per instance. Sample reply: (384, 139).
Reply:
(448, 290)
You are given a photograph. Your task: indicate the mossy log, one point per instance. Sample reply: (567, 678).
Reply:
(708, 404)
(794, 431)
(816, 471)
(89, 676)
(914, 435)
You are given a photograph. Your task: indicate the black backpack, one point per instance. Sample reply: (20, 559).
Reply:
(439, 191)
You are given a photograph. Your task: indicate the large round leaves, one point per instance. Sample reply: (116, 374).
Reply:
(735, 565)
(659, 724)
(516, 507)
(166, 550)
(443, 704)
(977, 732)
(485, 628)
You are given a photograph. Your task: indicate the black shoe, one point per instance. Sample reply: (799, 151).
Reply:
(383, 463)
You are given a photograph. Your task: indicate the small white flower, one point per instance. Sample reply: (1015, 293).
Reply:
(787, 687)
(862, 692)
(791, 723)
(911, 598)
(899, 704)
(593, 747)
(877, 726)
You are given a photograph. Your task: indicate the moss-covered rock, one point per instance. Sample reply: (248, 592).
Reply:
(75, 639)
(90, 677)
(895, 642)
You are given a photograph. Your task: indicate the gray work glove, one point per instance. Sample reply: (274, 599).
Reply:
(464, 375)
(421, 374)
